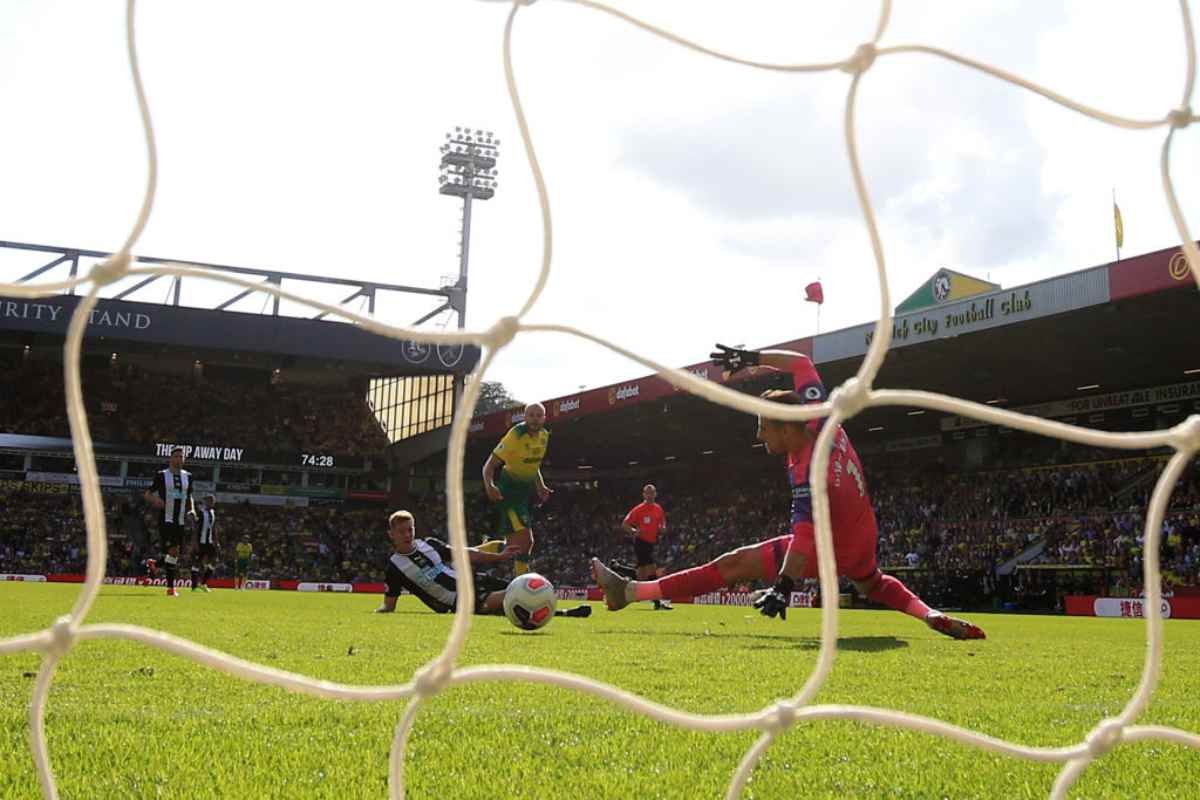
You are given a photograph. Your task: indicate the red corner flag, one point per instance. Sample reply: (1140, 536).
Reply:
(814, 294)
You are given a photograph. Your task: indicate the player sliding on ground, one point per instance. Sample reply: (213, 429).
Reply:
(424, 568)
(787, 559)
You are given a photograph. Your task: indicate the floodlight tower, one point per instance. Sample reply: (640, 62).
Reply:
(468, 170)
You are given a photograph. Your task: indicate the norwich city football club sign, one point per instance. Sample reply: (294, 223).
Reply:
(946, 286)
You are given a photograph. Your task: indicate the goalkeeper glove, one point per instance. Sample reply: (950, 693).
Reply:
(732, 358)
(774, 601)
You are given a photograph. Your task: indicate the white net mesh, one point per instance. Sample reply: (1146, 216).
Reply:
(846, 401)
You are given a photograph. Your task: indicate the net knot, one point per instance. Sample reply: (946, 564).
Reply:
(850, 398)
(62, 636)
(111, 269)
(431, 679)
(503, 332)
(1105, 737)
(861, 61)
(1181, 117)
(779, 718)
(1186, 435)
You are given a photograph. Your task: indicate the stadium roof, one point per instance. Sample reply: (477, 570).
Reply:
(1129, 324)
(210, 329)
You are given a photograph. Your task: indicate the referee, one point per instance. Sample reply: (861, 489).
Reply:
(172, 495)
(646, 521)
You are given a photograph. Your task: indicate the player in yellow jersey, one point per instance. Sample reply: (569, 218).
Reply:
(243, 549)
(512, 477)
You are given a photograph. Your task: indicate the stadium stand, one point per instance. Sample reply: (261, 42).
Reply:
(127, 403)
(948, 535)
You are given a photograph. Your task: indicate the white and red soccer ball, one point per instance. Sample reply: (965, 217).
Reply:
(529, 601)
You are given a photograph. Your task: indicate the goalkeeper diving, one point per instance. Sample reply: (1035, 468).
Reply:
(784, 560)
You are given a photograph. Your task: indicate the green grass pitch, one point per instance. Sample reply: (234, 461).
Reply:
(129, 721)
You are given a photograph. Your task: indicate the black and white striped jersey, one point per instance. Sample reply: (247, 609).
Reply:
(176, 493)
(426, 572)
(208, 526)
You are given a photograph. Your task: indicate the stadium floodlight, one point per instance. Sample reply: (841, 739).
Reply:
(1191, 371)
(468, 167)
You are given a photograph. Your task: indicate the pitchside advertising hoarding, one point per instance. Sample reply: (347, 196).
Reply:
(1178, 607)
(236, 331)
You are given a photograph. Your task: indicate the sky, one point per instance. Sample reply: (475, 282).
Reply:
(692, 199)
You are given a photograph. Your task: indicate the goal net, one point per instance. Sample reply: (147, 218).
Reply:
(847, 400)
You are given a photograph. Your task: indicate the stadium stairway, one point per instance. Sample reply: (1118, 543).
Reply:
(1024, 557)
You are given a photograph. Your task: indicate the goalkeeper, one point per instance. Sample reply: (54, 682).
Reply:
(786, 559)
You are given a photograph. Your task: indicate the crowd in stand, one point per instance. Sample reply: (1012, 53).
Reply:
(941, 533)
(128, 404)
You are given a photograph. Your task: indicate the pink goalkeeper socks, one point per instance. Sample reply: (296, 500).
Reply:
(688, 583)
(894, 594)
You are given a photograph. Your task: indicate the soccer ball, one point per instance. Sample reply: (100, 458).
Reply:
(529, 601)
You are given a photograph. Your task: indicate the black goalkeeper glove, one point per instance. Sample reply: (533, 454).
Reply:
(733, 359)
(774, 601)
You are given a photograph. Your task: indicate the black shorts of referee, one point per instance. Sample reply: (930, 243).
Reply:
(643, 552)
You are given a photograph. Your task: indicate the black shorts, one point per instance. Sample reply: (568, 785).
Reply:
(484, 585)
(207, 550)
(643, 552)
(171, 535)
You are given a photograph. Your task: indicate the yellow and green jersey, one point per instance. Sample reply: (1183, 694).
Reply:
(522, 452)
(244, 549)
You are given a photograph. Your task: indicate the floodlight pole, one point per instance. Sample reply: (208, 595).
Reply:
(464, 247)
(468, 171)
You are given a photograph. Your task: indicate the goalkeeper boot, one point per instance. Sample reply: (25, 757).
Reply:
(612, 584)
(953, 627)
(577, 611)
(665, 605)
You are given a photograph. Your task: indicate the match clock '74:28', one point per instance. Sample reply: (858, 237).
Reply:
(315, 460)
